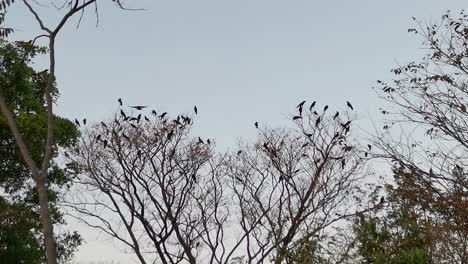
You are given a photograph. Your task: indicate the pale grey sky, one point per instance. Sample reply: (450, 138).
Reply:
(239, 61)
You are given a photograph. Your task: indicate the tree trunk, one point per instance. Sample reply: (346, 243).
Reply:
(48, 228)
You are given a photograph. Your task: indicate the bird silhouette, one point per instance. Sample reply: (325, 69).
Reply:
(120, 101)
(98, 137)
(301, 104)
(349, 105)
(208, 141)
(154, 112)
(317, 122)
(195, 109)
(147, 119)
(200, 141)
(169, 135)
(312, 105)
(162, 115)
(325, 108)
(256, 124)
(369, 146)
(297, 117)
(336, 115)
(84, 121)
(77, 122)
(123, 113)
(138, 107)
(105, 143)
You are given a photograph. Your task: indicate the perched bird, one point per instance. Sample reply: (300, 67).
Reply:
(312, 105)
(349, 105)
(200, 141)
(120, 101)
(256, 124)
(147, 119)
(123, 113)
(317, 122)
(162, 115)
(169, 135)
(369, 146)
(297, 117)
(84, 121)
(239, 152)
(336, 115)
(208, 141)
(195, 109)
(154, 112)
(98, 137)
(77, 122)
(325, 108)
(301, 104)
(138, 107)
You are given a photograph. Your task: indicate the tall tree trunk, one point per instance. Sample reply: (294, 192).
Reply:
(48, 227)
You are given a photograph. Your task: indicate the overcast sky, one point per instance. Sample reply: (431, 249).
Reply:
(239, 61)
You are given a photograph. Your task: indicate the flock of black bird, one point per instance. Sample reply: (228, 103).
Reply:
(133, 121)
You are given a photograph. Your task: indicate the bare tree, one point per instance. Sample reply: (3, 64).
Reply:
(39, 171)
(429, 99)
(146, 182)
(293, 185)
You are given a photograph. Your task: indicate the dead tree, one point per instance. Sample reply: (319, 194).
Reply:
(293, 185)
(145, 182)
(428, 101)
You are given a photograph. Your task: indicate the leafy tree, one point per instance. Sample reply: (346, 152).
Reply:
(20, 226)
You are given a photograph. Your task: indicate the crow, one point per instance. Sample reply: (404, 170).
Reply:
(239, 152)
(336, 115)
(120, 101)
(349, 105)
(77, 122)
(162, 115)
(325, 108)
(301, 104)
(195, 109)
(154, 112)
(369, 146)
(147, 119)
(98, 137)
(84, 121)
(312, 105)
(256, 124)
(208, 141)
(138, 107)
(169, 135)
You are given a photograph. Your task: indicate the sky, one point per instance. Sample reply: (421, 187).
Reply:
(239, 61)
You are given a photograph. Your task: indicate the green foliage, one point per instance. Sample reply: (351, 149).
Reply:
(23, 89)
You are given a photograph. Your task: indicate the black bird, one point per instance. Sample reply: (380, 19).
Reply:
(325, 108)
(297, 117)
(336, 115)
(256, 124)
(369, 146)
(120, 101)
(317, 122)
(154, 112)
(138, 107)
(301, 104)
(346, 125)
(312, 105)
(123, 113)
(349, 105)
(98, 137)
(239, 152)
(77, 122)
(169, 135)
(147, 119)
(84, 121)
(200, 141)
(208, 141)
(195, 109)
(162, 115)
